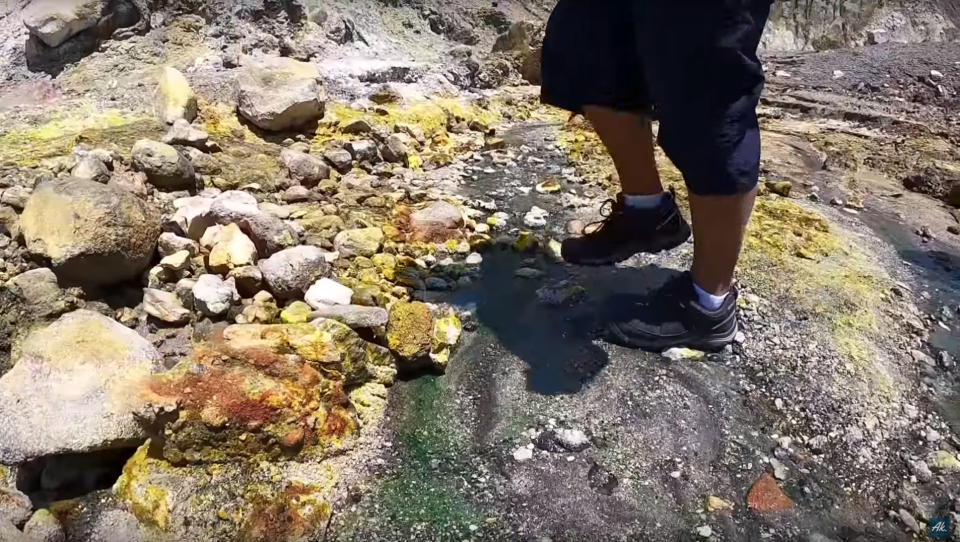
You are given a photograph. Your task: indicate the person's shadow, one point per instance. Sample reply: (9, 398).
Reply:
(559, 344)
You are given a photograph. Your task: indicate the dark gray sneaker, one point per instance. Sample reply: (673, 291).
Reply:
(670, 317)
(626, 231)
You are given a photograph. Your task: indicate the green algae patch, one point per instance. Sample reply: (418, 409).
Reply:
(150, 504)
(56, 136)
(418, 494)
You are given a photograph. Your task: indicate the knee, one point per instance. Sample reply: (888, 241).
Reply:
(716, 157)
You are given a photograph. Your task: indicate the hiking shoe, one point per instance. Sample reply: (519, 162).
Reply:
(626, 231)
(672, 317)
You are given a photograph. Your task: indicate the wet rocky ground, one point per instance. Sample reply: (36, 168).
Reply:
(825, 403)
(495, 411)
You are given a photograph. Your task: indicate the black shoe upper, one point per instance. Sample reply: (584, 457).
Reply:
(626, 231)
(672, 316)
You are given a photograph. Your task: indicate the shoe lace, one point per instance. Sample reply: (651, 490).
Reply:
(608, 210)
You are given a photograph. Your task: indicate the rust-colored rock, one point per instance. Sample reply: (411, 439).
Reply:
(265, 392)
(766, 496)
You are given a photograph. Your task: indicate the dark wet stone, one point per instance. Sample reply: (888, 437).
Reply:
(602, 480)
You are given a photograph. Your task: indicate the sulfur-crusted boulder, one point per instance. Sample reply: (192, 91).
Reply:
(74, 389)
(174, 97)
(228, 502)
(359, 242)
(266, 391)
(410, 332)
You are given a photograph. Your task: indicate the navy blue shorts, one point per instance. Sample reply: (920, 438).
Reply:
(692, 64)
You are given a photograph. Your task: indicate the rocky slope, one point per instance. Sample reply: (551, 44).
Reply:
(832, 24)
(287, 271)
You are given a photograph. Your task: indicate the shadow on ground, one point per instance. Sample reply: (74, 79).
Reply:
(559, 344)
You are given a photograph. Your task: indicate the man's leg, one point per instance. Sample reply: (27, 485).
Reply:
(590, 65)
(706, 83)
(643, 218)
(719, 224)
(629, 139)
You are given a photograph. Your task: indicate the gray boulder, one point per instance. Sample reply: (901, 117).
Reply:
(307, 169)
(93, 234)
(340, 159)
(9, 222)
(183, 133)
(165, 306)
(354, 316)
(268, 233)
(232, 206)
(55, 21)
(90, 168)
(9, 533)
(75, 389)
(280, 93)
(396, 148)
(44, 527)
(364, 150)
(15, 507)
(39, 291)
(164, 166)
(290, 272)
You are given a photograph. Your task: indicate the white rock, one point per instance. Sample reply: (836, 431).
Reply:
(523, 454)
(837, 74)
(705, 531)
(781, 73)
(535, 218)
(193, 215)
(178, 261)
(779, 470)
(170, 243)
(213, 296)
(573, 440)
(165, 306)
(935, 75)
(232, 250)
(328, 292)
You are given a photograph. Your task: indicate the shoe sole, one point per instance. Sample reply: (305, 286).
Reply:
(664, 244)
(707, 344)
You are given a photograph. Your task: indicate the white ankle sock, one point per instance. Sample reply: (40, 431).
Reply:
(709, 301)
(643, 202)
